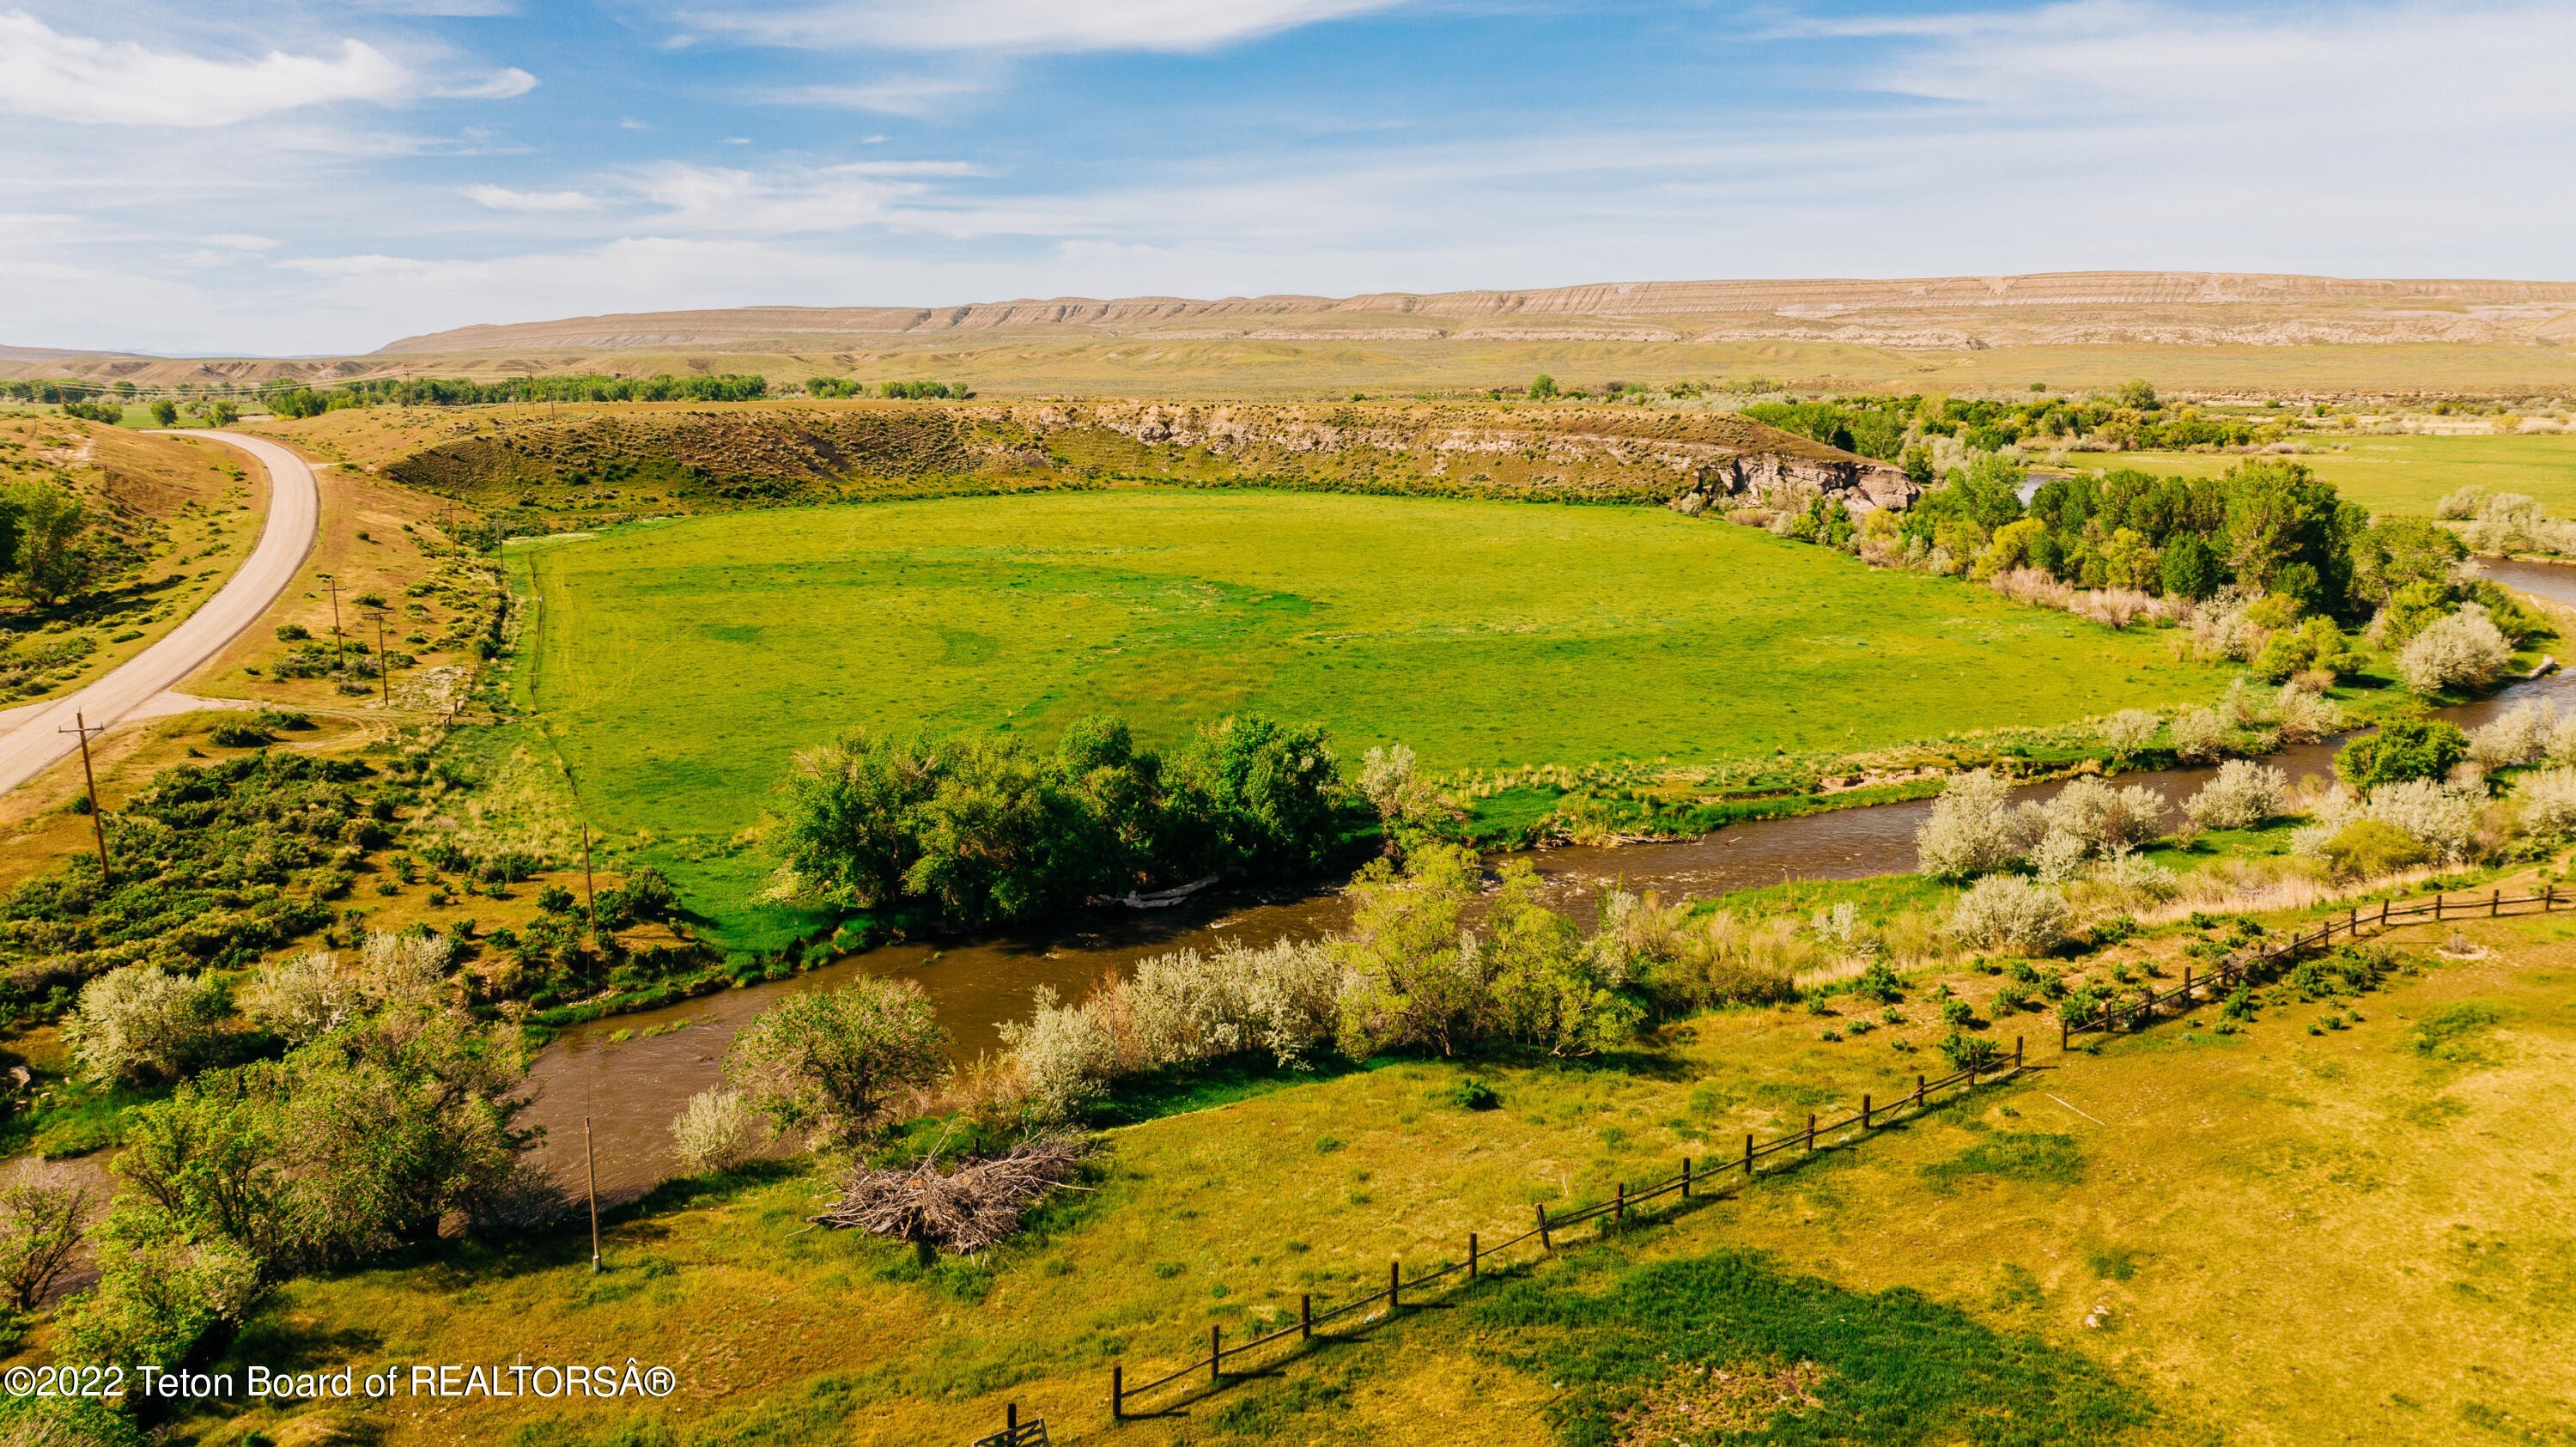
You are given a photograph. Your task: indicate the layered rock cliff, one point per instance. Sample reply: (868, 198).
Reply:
(721, 456)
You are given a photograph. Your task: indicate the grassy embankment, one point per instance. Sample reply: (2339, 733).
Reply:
(678, 667)
(2279, 1235)
(170, 516)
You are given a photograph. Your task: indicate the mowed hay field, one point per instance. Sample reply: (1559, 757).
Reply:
(2405, 475)
(2360, 1234)
(679, 666)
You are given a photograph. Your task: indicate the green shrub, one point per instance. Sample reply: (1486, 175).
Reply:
(2399, 750)
(1970, 1052)
(236, 734)
(1473, 1094)
(143, 1025)
(1879, 983)
(2369, 848)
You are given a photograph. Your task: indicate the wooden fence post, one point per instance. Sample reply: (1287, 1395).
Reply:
(1620, 1211)
(1864, 1112)
(2383, 914)
(1117, 1394)
(1685, 1178)
(1216, 1351)
(1918, 1088)
(1544, 1244)
(2549, 897)
(2495, 903)
(2016, 1052)
(2437, 909)
(1306, 1314)
(1811, 1130)
(1471, 1256)
(1394, 1286)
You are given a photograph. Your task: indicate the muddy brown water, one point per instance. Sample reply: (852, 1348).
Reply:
(632, 1088)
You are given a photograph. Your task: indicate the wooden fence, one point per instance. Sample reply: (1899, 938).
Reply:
(1709, 1177)
(2237, 969)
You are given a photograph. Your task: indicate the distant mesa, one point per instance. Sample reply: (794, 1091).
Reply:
(1947, 313)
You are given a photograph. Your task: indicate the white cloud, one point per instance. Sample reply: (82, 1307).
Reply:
(2377, 140)
(44, 72)
(2413, 64)
(1026, 25)
(502, 198)
(505, 84)
(242, 241)
(714, 200)
(912, 95)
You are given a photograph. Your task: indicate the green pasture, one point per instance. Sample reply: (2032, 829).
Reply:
(679, 666)
(2404, 474)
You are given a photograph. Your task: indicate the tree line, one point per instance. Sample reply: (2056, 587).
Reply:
(967, 830)
(466, 392)
(1897, 428)
(836, 388)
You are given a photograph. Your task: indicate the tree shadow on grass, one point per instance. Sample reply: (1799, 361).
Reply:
(1899, 1367)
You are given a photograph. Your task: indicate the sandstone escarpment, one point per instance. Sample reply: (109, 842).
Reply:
(721, 456)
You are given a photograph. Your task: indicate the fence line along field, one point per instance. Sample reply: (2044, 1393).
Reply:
(679, 667)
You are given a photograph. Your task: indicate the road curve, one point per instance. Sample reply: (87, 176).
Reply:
(294, 513)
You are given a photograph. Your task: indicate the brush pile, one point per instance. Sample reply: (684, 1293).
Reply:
(972, 1208)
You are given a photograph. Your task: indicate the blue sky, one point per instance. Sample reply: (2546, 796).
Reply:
(290, 176)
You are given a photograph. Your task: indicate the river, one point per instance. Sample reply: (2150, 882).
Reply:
(632, 1088)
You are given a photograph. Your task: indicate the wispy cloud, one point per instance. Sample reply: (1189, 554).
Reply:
(2418, 64)
(502, 198)
(1024, 25)
(916, 95)
(506, 84)
(44, 72)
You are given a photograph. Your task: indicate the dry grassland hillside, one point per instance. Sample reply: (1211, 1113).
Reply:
(2076, 329)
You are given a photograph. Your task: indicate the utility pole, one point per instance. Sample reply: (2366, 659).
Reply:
(339, 659)
(384, 670)
(589, 894)
(590, 1169)
(97, 821)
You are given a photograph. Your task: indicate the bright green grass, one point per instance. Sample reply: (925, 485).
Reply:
(679, 666)
(2405, 474)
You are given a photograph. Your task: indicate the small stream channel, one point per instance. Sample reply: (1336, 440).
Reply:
(631, 1089)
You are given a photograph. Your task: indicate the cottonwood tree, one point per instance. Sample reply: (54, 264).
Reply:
(40, 1226)
(833, 1061)
(53, 558)
(1412, 976)
(1550, 989)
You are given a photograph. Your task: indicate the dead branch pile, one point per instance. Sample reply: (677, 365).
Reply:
(972, 1208)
